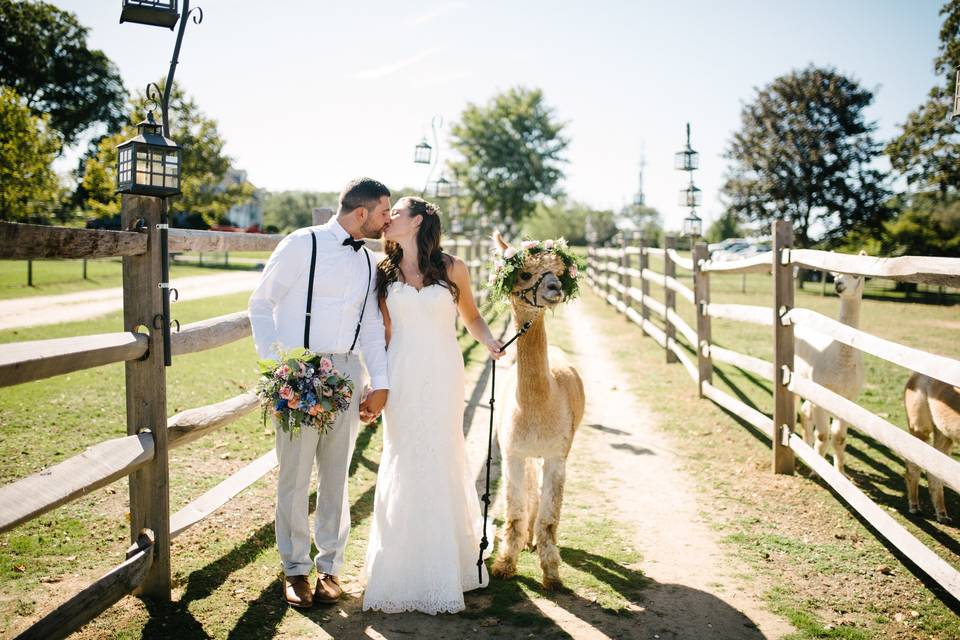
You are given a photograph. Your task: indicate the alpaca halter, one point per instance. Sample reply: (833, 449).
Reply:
(484, 543)
(522, 294)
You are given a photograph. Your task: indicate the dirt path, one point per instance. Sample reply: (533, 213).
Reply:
(69, 307)
(695, 594)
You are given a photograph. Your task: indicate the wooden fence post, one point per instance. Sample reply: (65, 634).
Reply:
(644, 283)
(29, 273)
(608, 275)
(784, 406)
(624, 278)
(701, 286)
(670, 296)
(321, 215)
(146, 392)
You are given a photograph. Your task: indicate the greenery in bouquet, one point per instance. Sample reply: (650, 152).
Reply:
(303, 389)
(509, 264)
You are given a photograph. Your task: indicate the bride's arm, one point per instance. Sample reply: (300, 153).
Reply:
(386, 321)
(472, 320)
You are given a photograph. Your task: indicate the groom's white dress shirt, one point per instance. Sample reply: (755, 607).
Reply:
(278, 304)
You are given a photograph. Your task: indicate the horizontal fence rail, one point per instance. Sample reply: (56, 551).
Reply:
(38, 359)
(35, 241)
(609, 273)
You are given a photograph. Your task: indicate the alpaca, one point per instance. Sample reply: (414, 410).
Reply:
(833, 365)
(543, 405)
(932, 406)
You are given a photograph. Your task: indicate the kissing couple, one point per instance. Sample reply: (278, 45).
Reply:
(322, 290)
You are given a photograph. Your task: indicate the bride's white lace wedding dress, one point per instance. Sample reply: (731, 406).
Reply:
(426, 528)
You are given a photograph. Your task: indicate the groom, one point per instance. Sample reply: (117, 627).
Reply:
(343, 317)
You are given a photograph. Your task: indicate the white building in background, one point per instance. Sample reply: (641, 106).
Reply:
(249, 213)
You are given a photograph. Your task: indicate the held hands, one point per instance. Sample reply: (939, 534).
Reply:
(494, 346)
(372, 404)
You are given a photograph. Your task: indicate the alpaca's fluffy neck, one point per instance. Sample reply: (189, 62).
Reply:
(850, 311)
(850, 316)
(533, 367)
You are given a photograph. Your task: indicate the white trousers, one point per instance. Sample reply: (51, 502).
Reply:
(332, 453)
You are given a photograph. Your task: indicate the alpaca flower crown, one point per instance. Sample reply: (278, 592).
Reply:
(509, 264)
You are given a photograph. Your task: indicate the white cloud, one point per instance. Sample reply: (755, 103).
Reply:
(432, 14)
(393, 67)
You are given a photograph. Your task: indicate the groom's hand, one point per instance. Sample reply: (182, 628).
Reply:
(372, 405)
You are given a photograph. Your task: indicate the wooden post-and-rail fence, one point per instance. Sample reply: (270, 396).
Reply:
(143, 454)
(609, 273)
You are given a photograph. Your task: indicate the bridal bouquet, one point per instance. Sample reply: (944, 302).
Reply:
(303, 388)
(510, 262)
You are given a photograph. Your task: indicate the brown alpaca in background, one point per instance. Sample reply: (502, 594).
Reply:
(933, 407)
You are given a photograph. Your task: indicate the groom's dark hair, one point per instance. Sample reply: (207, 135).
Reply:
(361, 192)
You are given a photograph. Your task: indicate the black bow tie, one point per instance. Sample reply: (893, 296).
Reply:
(355, 244)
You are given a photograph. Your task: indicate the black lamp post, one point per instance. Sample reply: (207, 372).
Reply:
(151, 163)
(423, 152)
(689, 160)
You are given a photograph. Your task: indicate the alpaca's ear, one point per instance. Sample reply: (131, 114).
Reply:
(503, 244)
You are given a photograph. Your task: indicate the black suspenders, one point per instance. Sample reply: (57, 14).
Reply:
(313, 264)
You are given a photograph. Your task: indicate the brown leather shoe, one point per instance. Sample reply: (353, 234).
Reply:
(296, 591)
(328, 588)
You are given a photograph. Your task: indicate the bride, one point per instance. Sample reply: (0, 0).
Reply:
(425, 536)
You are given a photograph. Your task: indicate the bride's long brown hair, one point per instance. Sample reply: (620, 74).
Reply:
(431, 260)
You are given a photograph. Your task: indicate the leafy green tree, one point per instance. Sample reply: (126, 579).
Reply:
(45, 58)
(927, 151)
(928, 226)
(205, 165)
(511, 152)
(646, 220)
(568, 219)
(29, 188)
(289, 210)
(726, 226)
(804, 153)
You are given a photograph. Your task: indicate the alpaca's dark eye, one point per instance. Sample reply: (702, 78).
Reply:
(526, 275)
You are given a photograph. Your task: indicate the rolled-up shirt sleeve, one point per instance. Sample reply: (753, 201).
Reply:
(288, 262)
(373, 341)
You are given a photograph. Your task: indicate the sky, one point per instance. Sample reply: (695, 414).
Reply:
(309, 94)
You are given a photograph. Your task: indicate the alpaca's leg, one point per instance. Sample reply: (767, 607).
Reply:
(913, 487)
(943, 444)
(838, 437)
(821, 422)
(551, 497)
(514, 533)
(806, 421)
(532, 500)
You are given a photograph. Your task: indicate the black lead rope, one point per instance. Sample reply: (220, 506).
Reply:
(486, 494)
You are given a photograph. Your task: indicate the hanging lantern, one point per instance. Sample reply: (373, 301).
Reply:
(443, 188)
(638, 199)
(422, 152)
(690, 197)
(688, 159)
(149, 164)
(156, 13)
(692, 225)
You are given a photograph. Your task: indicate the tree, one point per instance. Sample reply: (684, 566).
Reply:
(289, 210)
(205, 165)
(28, 185)
(45, 58)
(644, 219)
(803, 153)
(927, 226)
(726, 226)
(511, 152)
(568, 219)
(927, 151)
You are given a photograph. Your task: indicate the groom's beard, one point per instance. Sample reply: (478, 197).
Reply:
(371, 232)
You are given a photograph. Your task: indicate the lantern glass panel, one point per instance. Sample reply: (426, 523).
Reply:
(690, 197)
(692, 226)
(687, 160)
(156, 13)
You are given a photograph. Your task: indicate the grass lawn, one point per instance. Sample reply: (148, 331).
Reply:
(833, 578)
(225, 568)
(51, 277)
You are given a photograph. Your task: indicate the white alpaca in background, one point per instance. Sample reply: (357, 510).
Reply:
(833, 365)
